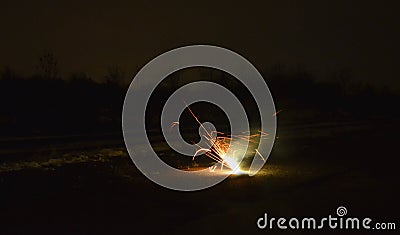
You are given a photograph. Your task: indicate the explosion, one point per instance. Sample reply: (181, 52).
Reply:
(218, 144)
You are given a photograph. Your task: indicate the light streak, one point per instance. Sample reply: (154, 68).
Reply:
(276, 113)
(218, 149)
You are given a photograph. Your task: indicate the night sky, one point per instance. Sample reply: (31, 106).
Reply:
(322, 36)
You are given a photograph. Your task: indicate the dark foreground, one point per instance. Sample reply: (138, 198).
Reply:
(312, 171)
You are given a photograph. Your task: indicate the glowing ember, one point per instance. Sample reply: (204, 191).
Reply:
(218, 148)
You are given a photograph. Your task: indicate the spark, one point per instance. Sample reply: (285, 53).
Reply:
(276, 113)
(212, 168)
(259, 154)
(218, 144)
(174, 124)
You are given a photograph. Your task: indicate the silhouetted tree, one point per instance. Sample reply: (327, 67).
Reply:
(8, 73)
(80, 77)
(115, 76)
(48, 66)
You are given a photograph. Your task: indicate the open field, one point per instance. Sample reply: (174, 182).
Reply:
(97, 190)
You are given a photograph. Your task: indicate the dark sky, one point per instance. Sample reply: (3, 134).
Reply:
(323, 36)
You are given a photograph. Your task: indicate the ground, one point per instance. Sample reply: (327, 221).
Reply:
(312, 170)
